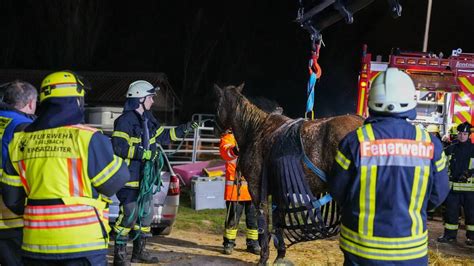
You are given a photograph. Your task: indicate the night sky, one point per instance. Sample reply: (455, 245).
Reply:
(199, 43)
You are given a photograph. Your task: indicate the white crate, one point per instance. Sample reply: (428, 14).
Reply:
(102, 115)
(207, 193)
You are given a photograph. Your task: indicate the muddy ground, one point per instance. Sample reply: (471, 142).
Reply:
(199, 248)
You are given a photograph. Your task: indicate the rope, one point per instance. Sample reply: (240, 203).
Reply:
(151, 177)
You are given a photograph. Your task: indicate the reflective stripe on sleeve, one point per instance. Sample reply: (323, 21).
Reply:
(173, 136)
(107, 172)
(130, 140)
(441, 163)
(11, 223)
(342, 160)
(11, 180)
(159, 131)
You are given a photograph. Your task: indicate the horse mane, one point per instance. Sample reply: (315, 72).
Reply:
(249, 117)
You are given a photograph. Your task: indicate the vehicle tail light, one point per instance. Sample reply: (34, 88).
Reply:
(173, 189)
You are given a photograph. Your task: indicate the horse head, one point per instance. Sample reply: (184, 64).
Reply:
(227, 102)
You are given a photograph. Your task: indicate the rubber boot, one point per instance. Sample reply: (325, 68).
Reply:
(253, 247)
(120, 254)
(446, 239)
(139, 253)
(228, 246)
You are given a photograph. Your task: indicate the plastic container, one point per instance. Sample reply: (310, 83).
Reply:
(187, 171)
(102, 115)
(207, 192)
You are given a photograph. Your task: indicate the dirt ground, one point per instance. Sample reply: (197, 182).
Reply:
(197, 248)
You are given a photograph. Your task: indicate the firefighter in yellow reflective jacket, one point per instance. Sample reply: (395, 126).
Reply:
(461, 176)
(386, 175)
(16, 112)
(63, 169)
(237, 198)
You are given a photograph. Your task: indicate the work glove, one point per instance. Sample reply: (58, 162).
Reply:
(190, 126)
(147, 155)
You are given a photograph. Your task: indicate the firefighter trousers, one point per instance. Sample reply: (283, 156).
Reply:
(128, 219)
(10, 249)
(234, 212)
(454, 202)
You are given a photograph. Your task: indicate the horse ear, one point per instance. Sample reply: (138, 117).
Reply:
(217, 90)
(240, 87)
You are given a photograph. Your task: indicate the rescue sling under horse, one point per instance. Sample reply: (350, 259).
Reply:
(287, 159)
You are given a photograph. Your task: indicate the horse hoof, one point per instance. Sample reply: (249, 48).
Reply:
(283, 262)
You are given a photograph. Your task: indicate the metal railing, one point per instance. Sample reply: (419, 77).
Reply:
(202, 146)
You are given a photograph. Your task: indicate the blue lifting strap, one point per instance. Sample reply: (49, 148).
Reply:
(323, 200)
(326, 198)
(314, 168)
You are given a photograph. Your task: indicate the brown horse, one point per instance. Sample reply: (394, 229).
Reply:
(256, 131)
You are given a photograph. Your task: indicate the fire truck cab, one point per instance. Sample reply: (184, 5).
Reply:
(445, 86)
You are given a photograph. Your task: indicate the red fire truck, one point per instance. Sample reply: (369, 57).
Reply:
(445, 86)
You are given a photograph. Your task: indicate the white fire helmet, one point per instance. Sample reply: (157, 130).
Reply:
(392, 91)
(140, 89)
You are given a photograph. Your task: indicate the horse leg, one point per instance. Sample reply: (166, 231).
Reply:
(278, 240)
(263, 233)
(279, 243)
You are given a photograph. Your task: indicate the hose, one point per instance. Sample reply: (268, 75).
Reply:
(151, 178)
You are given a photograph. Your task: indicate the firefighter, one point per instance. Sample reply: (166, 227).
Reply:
(237, 198)
(386, 174)
(136, 135)
(453, 135)
(461, 169)
(434, 130)
(65, 171)
(16, 112)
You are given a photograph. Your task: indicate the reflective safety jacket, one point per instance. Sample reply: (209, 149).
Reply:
(461, 166)
(10, 121)
(235, 190)
(133, 133)
(62, 172)
(385, 176)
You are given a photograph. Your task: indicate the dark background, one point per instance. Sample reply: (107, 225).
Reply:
(199, 43)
